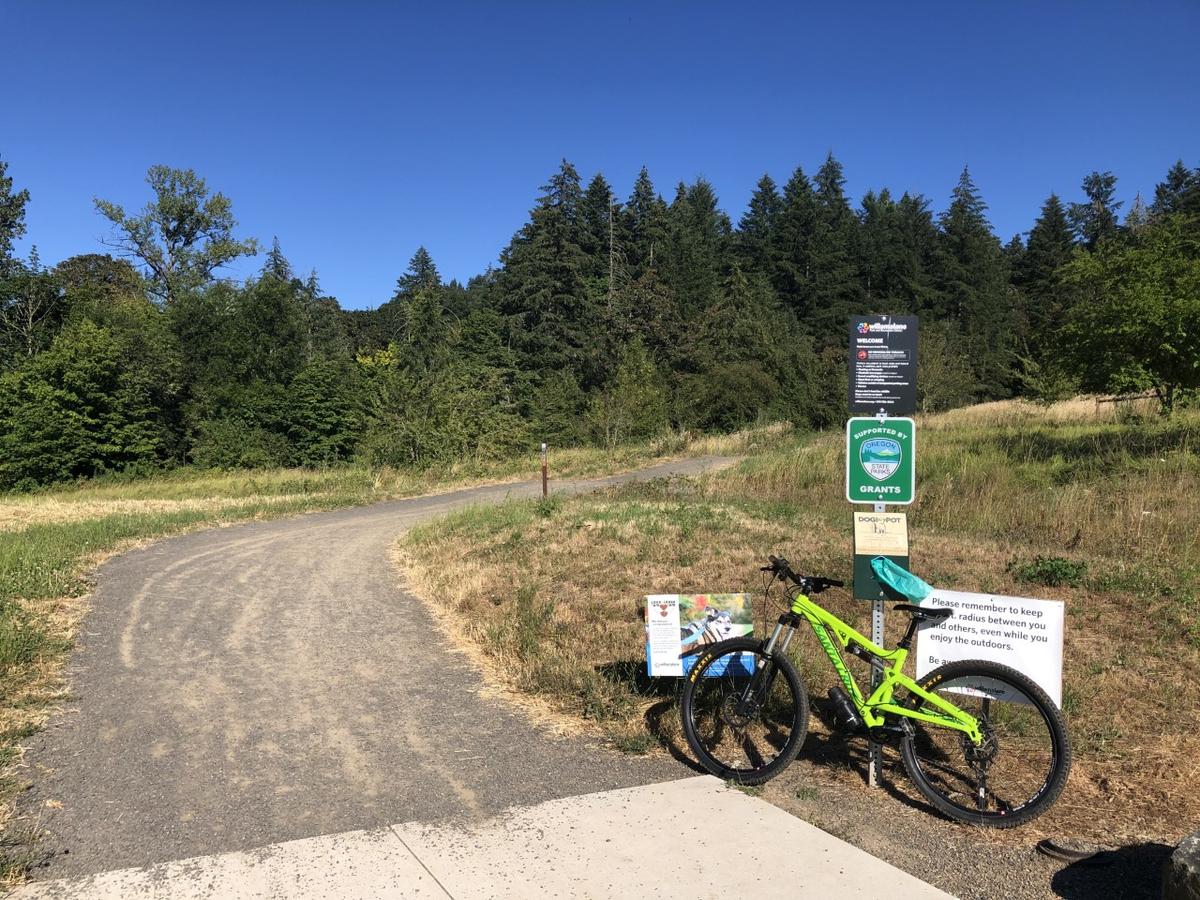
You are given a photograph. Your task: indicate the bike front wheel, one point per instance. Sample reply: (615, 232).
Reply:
(1020, 768)
(744, 714)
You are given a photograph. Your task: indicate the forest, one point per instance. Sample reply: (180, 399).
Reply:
(605, 321)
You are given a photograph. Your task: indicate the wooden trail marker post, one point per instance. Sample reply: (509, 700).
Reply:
(881, 460)
(545, 473)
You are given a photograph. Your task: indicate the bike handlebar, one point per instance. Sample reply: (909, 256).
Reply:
(810, 584)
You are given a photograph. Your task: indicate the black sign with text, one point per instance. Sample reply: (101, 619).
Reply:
(883, 365)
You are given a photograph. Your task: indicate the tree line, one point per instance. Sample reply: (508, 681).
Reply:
(606, 320)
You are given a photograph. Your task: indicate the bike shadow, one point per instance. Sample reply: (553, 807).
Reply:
(830, 748)
(836, 750)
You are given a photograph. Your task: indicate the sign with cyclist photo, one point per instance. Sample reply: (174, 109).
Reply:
(1020, 632)
(680, 626)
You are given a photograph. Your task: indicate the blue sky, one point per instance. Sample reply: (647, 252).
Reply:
(357, 131)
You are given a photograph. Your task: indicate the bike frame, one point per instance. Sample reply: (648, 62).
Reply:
(889, 663)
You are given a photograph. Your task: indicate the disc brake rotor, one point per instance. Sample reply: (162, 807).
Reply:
(735, 719)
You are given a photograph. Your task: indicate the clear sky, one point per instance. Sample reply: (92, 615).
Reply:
(357, 131)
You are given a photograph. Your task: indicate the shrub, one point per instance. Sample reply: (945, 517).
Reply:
(1051, 571)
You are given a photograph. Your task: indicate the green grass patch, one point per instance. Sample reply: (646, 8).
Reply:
(1051, 571)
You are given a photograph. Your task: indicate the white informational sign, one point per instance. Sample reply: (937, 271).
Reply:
(1020, 632)
(662, 635)
(680, 626)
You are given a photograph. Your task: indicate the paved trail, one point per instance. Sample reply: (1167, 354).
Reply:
(243, 686)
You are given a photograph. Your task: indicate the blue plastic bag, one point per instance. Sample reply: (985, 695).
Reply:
(900, 580)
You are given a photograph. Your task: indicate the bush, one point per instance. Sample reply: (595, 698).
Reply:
(1051, 571)
(85, 406)
(232, 444)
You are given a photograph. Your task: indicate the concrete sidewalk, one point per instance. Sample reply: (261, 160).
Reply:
(691, 838)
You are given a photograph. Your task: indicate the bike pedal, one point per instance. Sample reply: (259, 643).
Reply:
(886, 734)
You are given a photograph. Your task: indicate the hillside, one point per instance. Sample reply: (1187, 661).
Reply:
(1087, 502)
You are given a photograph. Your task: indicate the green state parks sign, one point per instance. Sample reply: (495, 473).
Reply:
(881, 456)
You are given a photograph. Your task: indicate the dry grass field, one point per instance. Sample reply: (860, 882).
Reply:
(1091, 503)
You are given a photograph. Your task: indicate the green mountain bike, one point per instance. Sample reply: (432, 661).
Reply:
(981, 742)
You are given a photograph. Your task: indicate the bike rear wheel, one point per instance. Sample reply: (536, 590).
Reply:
(1022, 765)
(745, 714)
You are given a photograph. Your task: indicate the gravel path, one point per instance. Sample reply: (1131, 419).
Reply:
(248, 685)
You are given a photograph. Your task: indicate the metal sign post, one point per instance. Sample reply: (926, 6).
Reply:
(874, 749)
(881, 451)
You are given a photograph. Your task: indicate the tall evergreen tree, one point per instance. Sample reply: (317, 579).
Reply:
(598, 216)
(897, 243)
(697, 247)
(645, 224)
(1172, 193)
(1096, 219)
(276, 264)
(973, 283)
(422, 274)
(836, 287)
(757, 230)
(542, 287)
(421, 277)
(1050, 247)
(1138, 216)
(792, 273)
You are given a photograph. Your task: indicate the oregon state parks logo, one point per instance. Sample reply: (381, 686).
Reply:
(880, 457)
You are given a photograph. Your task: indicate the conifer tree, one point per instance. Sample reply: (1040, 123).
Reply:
(697, 245)
(897, 242)
(835, 285)
(422, 274)
(645, 225)
(1096, 219)
(973, 283)
(1179, 192)
(1169, 192)
(276, 264)
(792, 273)
(542, 288)
(598, 223)
(1138, 216)
(1050, 247)
(757, 230)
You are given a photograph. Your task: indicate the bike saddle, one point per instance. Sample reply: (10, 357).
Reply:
(926, 613)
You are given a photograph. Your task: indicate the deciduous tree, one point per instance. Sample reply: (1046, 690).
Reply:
(182, 237)
(1137, 323)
